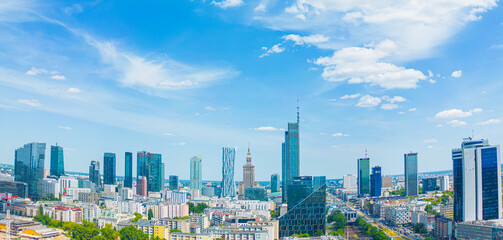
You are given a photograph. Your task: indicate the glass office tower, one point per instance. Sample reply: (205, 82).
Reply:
(363, 176)
(375, 182)
(94, 173)
(228, 184)
(430, 184)
(477, 181)
(154, 170)
(57, 161)
(128, 174)
(275, 187)
(290, 163)
(141, 161)
(196, 173)
(306, 208)
(29, 163)
(411, 181)
(109, 167)
(173, 182)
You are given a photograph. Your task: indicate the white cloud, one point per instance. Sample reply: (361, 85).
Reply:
(73, 90)
(432, 140)
(227, 3)
(75, 8)
(30, 102)
(389, 106)
(58, 77)
(323, 133)
(367, 65)
(36, 71)
(270, 129)
(368, 101)
(430, 147)
(350, 96)
(179, 143)
(489, 122)
(340, 135)
(65, 127)
(274, 49)
(439, 125)
(412, 109)
(397, 99)
(401, 112)
(332, 99)
(456, 123)
(308, 40)
(167, 134)
(457, 113)
(260, 8)
(457, 74)
(209, 108)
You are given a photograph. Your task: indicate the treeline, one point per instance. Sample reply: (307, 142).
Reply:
(375, 233)
(199, 208)
(338, 221)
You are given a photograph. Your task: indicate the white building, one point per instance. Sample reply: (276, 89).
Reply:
(349, 181)
(50, 186)
(444, 183)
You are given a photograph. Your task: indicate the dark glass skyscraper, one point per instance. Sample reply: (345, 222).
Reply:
(275, 187)
(173, 182)
(477, 181)
(155, 176)
(411, 181)
(430, 184)
(375, 182)
(306, 208)
(290, 156)
(228, 184)
(29, 163)
(57, 161)
(128, 174)
(141, 162)
(109, 168)
(94, 173)
(364, 176)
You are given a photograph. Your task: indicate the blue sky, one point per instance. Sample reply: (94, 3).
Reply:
(185, 78)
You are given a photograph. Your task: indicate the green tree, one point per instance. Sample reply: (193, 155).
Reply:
(137, 217)
(132, 233)
(305, 235)
(109, 233)
(419, 228)
(174, 230)
(150, 214)
(199, 208)
(338, 220)
(318, 233)
(40, 210)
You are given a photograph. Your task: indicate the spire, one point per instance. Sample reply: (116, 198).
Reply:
(248, 156)
(248, 147)
(298, 109)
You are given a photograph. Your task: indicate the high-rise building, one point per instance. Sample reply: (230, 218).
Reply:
(173, 182)
(411, 181)
(154, 169)
(128, 174)
(94, 173)
(477, 181)
(349, 181)
(248, 171)
(141, 162)
(275, 187)
(375, 182)
(306, 207)
(141, 186)
(29, 163)
(430, 184)
(57, 161)
(228, 184)
(196, 173)
(290, 163)
(444, 183)
(387, 181)
(109, 168)
(363, 176)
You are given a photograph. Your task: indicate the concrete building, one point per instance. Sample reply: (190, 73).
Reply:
(349, 181)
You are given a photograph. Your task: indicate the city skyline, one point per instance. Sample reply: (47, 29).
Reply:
(210, 97)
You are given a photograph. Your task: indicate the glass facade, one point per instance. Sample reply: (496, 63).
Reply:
(29, 163)
(94, 173)
(411, 181)
(155, 177)
(109, 167)
(228, 184)
(57, 161)
(255, 193)
(18, 189)
(363, 176)
(309, 214)
(173, 182)
(275, 183)
(375, 182)
(196, 173)
(457, 173)
(141, 161)
(490, 175)
(430, 184)
(290, 156)
(299, 188)
(128, 174)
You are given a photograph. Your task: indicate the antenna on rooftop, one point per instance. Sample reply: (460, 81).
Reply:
(298, 109)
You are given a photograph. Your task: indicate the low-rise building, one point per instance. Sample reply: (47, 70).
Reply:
(190, 236)
(492, 229)
(444, 228)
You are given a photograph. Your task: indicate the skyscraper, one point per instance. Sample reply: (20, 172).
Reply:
(57, 161)
(128, 174)
(196, 173)
(410, 162)
(173, 182)
(94, 173)
(375, 182)
(141, 161)
(290, 163)
(306, 207)
(228, 184)
(275, 187)
(363, 176)
(477, 181)
(154, 169)
(141, 186)
(109, 168)
(444, 183)
(248, 171)
(430, 184)
(349, 181)
(29, 163)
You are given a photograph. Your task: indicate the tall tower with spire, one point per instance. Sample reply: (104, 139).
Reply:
(248, 171)
(290, 164)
